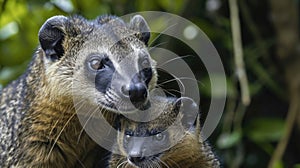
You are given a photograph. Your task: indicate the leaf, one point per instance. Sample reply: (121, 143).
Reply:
(265, 129)
(8, 30)
(296, 166)
(219, 89)
(227, 140)
(174, 6)
(65, 5)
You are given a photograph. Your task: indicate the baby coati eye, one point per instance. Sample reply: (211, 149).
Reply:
(127, 138)
(159, 137)
(145, 63)
(96, 64)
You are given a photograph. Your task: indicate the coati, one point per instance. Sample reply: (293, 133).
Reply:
(102, 64)
(164, 142)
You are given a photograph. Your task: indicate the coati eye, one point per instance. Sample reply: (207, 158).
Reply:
(127, 138)
(145, 63)
(96, 64)
(159, 137)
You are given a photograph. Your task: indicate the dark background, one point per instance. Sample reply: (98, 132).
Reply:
(247, 135)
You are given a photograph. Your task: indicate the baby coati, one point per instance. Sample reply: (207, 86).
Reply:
(101, 64)
(168, 141)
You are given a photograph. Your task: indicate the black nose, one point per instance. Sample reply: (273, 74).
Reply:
(137, 93)
(136, 159)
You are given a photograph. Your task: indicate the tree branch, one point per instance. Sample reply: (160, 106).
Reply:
(238, 51)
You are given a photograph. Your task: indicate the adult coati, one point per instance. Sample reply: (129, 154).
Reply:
(78, 63)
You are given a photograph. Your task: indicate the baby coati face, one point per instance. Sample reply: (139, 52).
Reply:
(143, 144)
(104, 62)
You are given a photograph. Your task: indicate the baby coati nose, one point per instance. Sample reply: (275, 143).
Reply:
(136, 159)
(137, 92)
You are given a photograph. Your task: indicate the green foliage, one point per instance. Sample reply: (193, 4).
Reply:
(265, 129)
(245, 136)
(227, 140)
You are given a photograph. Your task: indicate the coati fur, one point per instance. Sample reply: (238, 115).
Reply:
(79, 62)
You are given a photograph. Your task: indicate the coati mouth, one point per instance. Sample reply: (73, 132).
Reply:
(146, 161)
(125, 106)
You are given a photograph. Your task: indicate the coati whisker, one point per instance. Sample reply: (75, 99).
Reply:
(176, 164)
(180, 78)
(156, 163)
(59, 119)
(161, 161)
(86, 122)
(56, 139)
(167, 91)
(159, 44)
(150, 164)
(173, 59)
(123, 163)
(174, 90)
(174, 79)
(80, 162)
(162, 32)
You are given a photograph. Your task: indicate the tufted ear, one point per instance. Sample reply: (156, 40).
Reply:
(139, 24)
(189, 111)
(51, 36)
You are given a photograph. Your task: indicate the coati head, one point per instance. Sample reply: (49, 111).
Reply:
(144, 144)
(104, 62)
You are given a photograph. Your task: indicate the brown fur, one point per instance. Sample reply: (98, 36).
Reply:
(50, 140)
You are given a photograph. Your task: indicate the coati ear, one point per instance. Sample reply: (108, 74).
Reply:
(51, 36)
(139, 24)
(189, 110)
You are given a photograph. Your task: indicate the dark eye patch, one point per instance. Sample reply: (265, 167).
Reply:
(154, 131)
(100, 69)
(144, 63)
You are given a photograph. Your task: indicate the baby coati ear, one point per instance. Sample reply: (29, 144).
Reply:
(189, 110)
(51, 36)
(139, 24)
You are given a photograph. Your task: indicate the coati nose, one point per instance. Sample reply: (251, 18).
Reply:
(136, 159)
(137, 93)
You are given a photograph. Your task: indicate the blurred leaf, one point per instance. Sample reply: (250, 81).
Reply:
(205, 87)
(265, 129)
(8, 30)
(278, 164)
(173, 6)
(8, 74)
(296, 166)
(227, 140)
(219, 34)
(255, 87)
(65, 5)
(146, 5)
(265, 77)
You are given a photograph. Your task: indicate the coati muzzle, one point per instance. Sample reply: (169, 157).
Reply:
(137, 90)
